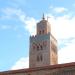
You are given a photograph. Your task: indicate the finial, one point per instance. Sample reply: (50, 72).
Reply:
(43, 17)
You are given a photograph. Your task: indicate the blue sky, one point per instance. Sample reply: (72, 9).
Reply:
(18, 20)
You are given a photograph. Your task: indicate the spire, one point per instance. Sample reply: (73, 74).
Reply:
(43, 17)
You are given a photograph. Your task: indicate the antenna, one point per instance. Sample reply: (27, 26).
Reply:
(43, 17)
(48, 18)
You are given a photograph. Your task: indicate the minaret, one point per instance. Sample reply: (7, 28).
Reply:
(43, 46)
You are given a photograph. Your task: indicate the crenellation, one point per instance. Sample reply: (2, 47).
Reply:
(38, 38)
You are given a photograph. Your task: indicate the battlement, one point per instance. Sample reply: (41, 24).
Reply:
(33, 36)
(38, 38)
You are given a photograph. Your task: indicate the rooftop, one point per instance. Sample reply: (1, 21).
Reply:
(51, 67)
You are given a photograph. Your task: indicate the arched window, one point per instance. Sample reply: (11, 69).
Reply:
(41, 57)
(41, 47)
(38, 58)
(44, 43)
(40, 32)
(43, 31)
(37, 47)
(33, 47)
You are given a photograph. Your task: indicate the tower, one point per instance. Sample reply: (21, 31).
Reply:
(43, 46)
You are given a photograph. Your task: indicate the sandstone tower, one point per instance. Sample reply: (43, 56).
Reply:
(43, 46)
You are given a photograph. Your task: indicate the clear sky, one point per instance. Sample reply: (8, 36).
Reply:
(18, 20)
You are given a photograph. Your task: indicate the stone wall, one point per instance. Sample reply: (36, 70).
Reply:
(60, 69)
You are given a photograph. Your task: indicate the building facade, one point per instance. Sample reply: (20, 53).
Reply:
(43, 55)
